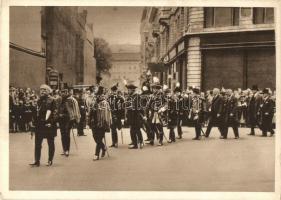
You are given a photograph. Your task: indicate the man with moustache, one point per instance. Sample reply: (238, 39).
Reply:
(45, 125)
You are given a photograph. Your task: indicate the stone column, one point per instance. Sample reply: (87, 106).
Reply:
(194, 62)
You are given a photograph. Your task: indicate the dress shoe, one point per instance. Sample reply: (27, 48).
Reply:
(271, 134)
(35, 164)
(130, 144)
(141, 145)
(251, 134)
(113, 145)
(147, 140)
(263, 135)
(222, 137)
(179, 137)
(133, 147)
(96, 158)
(237, 137)
(63, 154)
(103, 152)
(67, 153)
(50, 163)
(196, 138)
(160, 144)
(170, 141)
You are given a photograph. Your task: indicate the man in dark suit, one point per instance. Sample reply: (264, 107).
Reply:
(216, 111)
(267, 112)
(253, 107)
(134, 116)
(231, 114)
(45, 125)
(115, 103)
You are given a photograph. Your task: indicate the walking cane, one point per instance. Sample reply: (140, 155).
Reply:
(106, 146)
(74, 139)
(122, 136)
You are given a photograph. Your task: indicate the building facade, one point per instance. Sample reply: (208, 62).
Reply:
(210, 47)
(45, 38)
(125, 66)
(27, 58)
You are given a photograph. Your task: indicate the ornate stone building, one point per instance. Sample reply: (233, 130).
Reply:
(50, 37)
(209, 46)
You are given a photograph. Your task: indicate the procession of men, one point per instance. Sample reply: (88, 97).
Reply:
(146, 111)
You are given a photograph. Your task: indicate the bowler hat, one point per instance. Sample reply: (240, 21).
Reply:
(115, 87)
(156, 86)
(177, 89)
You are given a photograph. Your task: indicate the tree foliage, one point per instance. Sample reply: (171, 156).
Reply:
(103, 55)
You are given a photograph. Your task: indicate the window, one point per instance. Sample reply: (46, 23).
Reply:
(220, 17)
(263, 15)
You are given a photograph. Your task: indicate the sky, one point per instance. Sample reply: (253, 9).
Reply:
(117, 25)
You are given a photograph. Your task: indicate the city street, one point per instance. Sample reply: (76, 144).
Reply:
(211, 164)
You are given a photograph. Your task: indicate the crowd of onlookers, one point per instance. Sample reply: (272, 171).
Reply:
(23, 105)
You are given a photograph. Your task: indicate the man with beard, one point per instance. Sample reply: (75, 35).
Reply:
(45, 125)
(69, 114)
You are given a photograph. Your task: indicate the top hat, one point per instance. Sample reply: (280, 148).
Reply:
(177, 89)
(265, 91)
(255, 87)
(100, 90)
(196, 90)
(115, 87)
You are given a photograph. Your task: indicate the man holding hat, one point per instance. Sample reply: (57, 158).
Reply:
(253, 107)
(134, 116)
(267, 112)
(45, 125)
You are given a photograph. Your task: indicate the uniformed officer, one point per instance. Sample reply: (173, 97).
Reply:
(82, 109)
(100, 121)
(171, 114)
(69, 114)
(115, 102)
(134, 116)
(180, 109)
(45, 125)
(156, 105)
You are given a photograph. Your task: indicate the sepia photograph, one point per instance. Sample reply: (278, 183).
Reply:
(143, 98)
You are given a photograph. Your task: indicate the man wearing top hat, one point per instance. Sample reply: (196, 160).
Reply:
(267, 112)
(180, 109)
(171, 114)
(134, 116)
(116, 106)
(253, 108)
(145, 101)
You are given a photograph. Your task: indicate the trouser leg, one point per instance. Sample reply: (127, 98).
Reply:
(38, 146)
(160, 131)
(114, 135)
(51, 145)
(133, 133)
(179, 129)
(198, 130)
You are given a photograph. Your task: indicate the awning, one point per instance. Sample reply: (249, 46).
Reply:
(156, 67)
